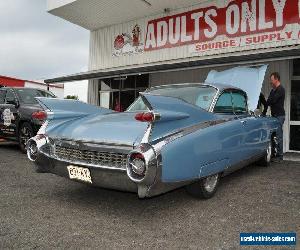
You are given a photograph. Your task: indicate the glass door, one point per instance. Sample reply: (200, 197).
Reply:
(295, 108)
(120, 92)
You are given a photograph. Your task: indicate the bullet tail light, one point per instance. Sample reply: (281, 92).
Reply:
(145, 117)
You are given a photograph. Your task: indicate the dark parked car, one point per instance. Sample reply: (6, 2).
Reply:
(20, 114)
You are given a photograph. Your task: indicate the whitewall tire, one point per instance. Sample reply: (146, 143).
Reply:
(205, 188)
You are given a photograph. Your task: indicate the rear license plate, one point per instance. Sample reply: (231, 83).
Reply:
(79, 173)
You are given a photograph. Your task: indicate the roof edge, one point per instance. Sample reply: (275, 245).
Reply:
(89, 75)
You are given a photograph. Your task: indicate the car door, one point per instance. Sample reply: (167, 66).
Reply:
(255, 135)
(232, 133)
(2, 104)
(9, 115)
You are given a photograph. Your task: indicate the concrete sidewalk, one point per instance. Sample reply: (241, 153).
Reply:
(292, 157)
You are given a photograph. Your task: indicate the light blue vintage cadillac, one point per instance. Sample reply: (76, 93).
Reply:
(171, 136)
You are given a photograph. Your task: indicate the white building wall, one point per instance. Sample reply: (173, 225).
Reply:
(102, 43)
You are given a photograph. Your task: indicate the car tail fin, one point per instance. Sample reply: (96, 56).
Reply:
(65, 108)
(172, 114)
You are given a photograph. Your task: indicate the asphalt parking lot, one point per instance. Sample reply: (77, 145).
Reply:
(47, 211)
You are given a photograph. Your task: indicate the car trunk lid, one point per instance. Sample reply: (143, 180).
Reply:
(113, 128)
(78, 121)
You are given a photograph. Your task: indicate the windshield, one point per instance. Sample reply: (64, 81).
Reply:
(27, 96)
(200, 96)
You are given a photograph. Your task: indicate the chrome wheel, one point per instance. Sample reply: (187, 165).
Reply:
(205, 187)
(32, 150)
(269, 152)
(211, 182)
(274, 146)
(25, 135)
(268, 155)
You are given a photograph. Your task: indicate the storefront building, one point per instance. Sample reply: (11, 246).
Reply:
(138, 44)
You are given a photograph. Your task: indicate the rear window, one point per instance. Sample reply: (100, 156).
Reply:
(200, 96)
(27, 96)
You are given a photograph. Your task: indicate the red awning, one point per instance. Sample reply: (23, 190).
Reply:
(11, 82)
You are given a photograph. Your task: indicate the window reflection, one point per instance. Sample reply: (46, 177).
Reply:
(295, 101)
(119, 93)
(295, 137)
(296, 67)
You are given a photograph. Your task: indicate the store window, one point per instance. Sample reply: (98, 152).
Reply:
(295, 138)
(119, 93)
(295, 108)
(296, 67)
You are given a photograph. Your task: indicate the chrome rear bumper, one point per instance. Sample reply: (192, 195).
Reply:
(40, 150)
(101, 177)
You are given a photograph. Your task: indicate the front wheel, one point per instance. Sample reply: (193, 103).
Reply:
(204, 188)
(25, 133)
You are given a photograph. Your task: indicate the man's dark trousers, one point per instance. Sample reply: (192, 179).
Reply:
(281, 120)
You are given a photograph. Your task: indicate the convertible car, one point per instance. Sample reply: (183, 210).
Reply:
(171, 136)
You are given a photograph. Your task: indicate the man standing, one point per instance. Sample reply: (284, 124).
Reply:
(276, 102)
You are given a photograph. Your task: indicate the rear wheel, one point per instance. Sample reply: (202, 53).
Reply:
(204, 188)
(24, 134)
(266, 160)
(271, 152)
(274, 146)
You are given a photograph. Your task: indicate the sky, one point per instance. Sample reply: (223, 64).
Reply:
(36, 45)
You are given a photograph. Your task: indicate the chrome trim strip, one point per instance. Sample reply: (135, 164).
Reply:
(147, 135)
(182, 85)
(103, 144)
(162, 141)
(214, 101)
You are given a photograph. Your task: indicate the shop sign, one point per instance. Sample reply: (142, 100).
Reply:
(241, 23)
(129, 44)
